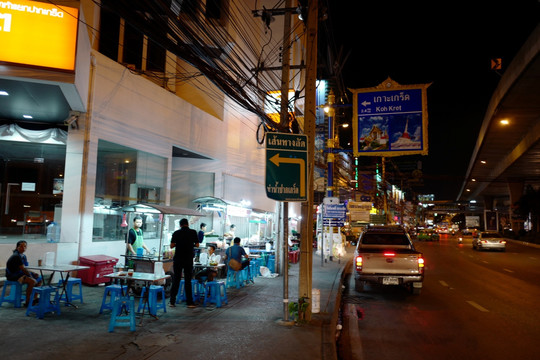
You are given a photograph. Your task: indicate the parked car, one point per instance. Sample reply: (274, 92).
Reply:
(487, 240)
(428, 235)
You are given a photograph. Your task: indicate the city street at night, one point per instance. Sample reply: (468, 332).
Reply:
(474, 305)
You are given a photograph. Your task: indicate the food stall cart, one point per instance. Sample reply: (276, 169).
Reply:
(260, 229)
(162, 220)
(228, 213)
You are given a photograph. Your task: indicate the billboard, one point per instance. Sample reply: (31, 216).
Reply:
(38, 34)
(390, 120)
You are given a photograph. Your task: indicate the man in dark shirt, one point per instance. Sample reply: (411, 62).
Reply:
(184, 240)
(16, 270)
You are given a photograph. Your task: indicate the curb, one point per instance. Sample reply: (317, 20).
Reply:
(331, 333)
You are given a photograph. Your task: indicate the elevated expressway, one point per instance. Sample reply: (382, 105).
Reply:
(506, 158)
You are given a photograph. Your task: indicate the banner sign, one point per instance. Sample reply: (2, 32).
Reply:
(360, 211)
(390, 120)
(38, 34)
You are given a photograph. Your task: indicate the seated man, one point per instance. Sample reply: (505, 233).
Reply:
(238, 253)
(16, 270)
(209, 273)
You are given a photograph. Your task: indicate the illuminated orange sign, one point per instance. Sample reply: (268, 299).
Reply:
(39, 34)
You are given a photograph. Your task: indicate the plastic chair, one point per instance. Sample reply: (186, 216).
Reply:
(69, 290)
(15, 293)
(115, 292)
(215, 293)
(117, 319)
(153, 304)
(195, 291)
(45, 304)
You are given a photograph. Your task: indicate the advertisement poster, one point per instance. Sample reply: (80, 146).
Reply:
(58, 186)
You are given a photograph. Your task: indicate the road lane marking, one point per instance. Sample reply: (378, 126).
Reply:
(443, 283)
(478, 307)
(485, 262)
(508, 270)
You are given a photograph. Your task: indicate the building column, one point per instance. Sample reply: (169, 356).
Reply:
(515, 188)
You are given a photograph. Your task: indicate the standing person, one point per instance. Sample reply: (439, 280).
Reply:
(184, 240)
(16, 270)
(135, 237)
(202, 233)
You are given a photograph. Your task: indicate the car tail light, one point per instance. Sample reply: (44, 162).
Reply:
(502, 242)
(421, 265)
(358, 262)
(484, 241)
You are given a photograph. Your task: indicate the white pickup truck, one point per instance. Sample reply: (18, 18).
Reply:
(385, 255)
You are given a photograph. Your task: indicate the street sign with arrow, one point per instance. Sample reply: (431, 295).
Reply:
(286, 166)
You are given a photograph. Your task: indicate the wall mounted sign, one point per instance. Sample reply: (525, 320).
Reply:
(38, 34)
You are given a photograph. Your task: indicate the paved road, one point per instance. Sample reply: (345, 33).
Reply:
(474, 305)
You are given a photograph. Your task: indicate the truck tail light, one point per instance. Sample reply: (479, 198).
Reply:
(358, 262)
(421, 265)
(389, 254)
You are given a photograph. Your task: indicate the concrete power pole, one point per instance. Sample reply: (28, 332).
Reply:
(306, 245)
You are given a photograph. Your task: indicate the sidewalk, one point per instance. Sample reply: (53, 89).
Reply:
(247, 328)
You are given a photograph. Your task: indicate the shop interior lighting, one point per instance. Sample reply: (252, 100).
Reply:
(212, 208)
(28, 116)
(4, 93)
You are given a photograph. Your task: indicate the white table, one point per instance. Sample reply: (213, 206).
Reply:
(146, 278)
(67, 269)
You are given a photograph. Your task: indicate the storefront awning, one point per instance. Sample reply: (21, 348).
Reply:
(161, 209)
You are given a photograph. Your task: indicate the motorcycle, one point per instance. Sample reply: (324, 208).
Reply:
(460, 240)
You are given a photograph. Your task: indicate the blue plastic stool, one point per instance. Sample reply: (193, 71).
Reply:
(195, 291)
(119, 319)
(215, 293)
(69, 290)
(256, 267)
(15, 293)
(153, 299)
(235, 278)
(115, 291)
(271, 263)
(252, 273)
(45, 304)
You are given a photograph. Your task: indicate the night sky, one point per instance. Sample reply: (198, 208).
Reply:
(448, 44)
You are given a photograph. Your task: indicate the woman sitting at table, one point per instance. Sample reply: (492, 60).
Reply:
(16, 270)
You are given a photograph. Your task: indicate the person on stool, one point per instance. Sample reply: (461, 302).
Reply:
(238, 253)
(16, 270)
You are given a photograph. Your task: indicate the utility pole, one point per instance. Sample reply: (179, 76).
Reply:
(286, 56)
(306, 245)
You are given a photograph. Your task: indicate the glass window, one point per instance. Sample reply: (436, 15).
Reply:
(125, 176)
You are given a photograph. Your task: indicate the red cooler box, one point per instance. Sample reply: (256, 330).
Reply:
(99, 265)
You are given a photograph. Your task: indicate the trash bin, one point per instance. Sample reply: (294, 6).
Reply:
(100, 265)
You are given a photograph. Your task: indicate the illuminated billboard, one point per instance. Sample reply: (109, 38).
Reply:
(38, 34)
